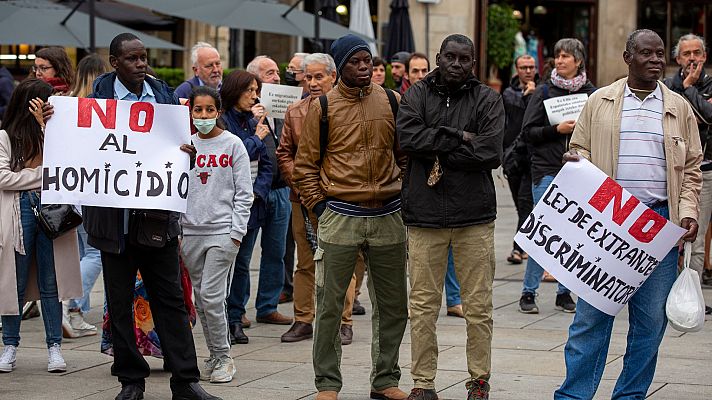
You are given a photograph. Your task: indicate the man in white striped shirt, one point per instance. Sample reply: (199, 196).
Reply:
(645, 136)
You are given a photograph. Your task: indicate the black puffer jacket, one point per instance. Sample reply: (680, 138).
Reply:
(698, 96)
(430, 122)
(546, 145)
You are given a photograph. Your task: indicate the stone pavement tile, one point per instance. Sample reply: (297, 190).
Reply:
(53, 387)
(163, 392)
(32, 361)
(697, 345)
(670, 370)
(528, 339)
(686, 391)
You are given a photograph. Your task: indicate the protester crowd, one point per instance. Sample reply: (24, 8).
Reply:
(362, 180)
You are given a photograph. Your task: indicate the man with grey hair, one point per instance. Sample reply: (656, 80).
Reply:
(692, 83)
(294, 75)
(632, 122)
(207, 68)
(320, 76)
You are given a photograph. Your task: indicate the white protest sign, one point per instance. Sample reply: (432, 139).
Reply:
(595, 238)
(114, 153)
(564, 108)
(276, 98)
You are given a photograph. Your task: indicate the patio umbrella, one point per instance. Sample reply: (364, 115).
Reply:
(400, 32)
(360, 21)
(38, 22)
(254, 15)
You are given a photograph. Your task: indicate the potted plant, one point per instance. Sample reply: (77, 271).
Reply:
(501, 29)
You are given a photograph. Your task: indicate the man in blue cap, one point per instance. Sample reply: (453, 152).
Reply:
(348, 171)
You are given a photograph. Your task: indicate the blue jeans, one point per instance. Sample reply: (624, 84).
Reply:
(452, 286)
(534, 271)
(90, 266)
(39, 247)
(590, 335)
(273, 243)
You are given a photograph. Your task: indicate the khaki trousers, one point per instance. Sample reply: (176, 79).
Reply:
(473, 252)
(304, 274)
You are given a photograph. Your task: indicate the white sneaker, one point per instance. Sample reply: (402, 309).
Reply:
(224, 370)
(80, 327)
(8, 358)
(207, 369)
(55, 361)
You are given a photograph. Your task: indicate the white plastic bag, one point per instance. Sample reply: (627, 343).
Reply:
(685, 306)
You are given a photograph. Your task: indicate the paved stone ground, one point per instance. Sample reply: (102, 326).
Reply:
(527, 355)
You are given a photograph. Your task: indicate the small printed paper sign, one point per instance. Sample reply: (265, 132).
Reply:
(276, 98)
(564, 108)
(596, 238)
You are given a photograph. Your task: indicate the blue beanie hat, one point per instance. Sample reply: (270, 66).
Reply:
(344, 47)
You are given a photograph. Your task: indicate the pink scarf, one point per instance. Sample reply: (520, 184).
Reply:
(572, 85)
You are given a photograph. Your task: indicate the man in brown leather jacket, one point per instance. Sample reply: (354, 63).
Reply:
(351, 179)
(320, 76)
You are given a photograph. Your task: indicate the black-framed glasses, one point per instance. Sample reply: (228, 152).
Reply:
(41, 68)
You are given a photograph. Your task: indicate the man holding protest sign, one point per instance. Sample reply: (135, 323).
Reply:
(117, 231)
(632, 123)
(451, 127)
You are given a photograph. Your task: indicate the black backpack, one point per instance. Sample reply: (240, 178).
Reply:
(324, 121)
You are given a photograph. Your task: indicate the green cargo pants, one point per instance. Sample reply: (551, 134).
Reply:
(383, 242)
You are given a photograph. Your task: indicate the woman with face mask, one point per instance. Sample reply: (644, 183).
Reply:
(212, 234)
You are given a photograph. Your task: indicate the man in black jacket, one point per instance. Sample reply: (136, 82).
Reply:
(451, 127)
(516, 166)
(108, 231)
(692, 83)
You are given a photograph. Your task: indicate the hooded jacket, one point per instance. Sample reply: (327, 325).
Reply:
(105, 225)
(546, 145)
(698, 95)
(515, 103)
(431, 121)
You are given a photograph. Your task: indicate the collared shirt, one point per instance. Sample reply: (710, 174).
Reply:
(201, 83)
(642, 169)
(121, 93)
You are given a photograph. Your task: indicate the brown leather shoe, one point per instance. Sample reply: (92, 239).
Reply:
(285, 297)
(298, 332)
(246, 323)
(327, 395)
(455, 311)
(391, 393)
(347, 334)
(275, 318)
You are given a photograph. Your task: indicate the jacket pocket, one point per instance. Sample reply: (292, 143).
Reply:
(679, 153)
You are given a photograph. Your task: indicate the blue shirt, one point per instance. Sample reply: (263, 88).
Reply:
(121, 93)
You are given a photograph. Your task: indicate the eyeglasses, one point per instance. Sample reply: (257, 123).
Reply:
(41, 68)
(527, 68)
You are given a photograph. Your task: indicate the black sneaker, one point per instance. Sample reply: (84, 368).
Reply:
(707, 277)
(477, 390)
(527, 305)
(565, 303)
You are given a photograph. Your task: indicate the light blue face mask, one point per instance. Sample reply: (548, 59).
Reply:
(204, 126)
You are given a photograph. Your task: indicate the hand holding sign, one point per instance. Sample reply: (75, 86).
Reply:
(566, 127)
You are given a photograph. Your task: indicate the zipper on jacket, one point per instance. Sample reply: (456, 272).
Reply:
(447, 122)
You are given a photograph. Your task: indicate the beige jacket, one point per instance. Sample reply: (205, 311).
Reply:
(597, 137)
(66, 248)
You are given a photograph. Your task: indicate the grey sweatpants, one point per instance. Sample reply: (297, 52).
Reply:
(209, 260)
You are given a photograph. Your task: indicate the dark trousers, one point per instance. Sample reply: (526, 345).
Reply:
(521, 188)
(289, 263)
(161, 274)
